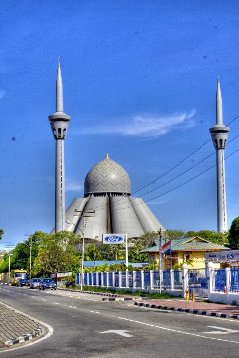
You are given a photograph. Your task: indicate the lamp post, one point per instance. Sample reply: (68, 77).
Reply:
(9, 267)
(30, 252)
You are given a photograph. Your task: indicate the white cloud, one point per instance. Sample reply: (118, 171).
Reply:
(74, 186)
(147, 125)
(2, 94)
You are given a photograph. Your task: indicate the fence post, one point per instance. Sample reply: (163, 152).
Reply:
(185, 279)
(171, 279)
(228, 278)
(87, 278)
(127, 279)
(134, 279)
(142, 279)
(151, 276)
(102, 279)
(107, 279)
(113, 279)
(97, 278)
(209, 277)
(120, 279)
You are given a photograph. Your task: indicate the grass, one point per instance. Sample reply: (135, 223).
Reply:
(125, 291)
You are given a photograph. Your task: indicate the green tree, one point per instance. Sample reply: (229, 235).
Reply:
(93, 252)
(1, 233)
(57, 253)
(173, 234)
(233, 237)
(213, 236)
(112, 252)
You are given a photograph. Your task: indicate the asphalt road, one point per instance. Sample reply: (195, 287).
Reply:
(85, 326)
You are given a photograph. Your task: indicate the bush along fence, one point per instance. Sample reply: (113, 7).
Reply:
(219, 285)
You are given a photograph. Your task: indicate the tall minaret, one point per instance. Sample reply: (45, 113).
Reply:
(59, 124)
(219, 135)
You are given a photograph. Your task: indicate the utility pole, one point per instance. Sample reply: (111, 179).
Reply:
(30, 262)
(85, 214)
(160, 260)
(82, 255)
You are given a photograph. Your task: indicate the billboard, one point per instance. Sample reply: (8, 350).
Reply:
(223, 256)
(113, 239)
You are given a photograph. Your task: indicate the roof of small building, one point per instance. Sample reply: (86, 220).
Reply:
(185, 244)
(113, 262)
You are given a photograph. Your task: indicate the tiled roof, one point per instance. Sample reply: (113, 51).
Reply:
(186, 244)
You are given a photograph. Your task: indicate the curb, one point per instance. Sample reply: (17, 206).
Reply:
(117, 299)
(110, 296)
(27, 337)
(187, 310)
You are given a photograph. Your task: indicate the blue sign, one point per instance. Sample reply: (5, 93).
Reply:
(113, 239)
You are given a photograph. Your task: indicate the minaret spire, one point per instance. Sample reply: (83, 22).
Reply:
(219, 114)
(59, 125)
(219, 135)
(59, 90)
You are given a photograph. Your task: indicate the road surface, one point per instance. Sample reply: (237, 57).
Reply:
(85, 326)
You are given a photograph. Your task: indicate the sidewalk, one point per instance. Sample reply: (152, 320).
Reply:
(16, 327)
(202, 308)
(177, 304)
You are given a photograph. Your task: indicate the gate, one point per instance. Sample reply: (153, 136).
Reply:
(197, 281)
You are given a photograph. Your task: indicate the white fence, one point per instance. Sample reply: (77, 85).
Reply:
(177, 282)
(219, 285)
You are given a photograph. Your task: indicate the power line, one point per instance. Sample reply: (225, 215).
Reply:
(187, 181)
(122, 201)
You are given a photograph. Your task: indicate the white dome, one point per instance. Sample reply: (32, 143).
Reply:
(107, 176)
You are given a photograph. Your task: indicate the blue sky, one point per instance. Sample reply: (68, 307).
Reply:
(139, 83)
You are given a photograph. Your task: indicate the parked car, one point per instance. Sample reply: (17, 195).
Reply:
(47, 283)
(23, 282)
(34, 283)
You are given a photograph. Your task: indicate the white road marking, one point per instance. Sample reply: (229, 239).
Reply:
(221, 330)
(177, 331)
(72, 306)
(120, 332)
(56, 303)
(95, 312)
(33, 296)
(42, 299)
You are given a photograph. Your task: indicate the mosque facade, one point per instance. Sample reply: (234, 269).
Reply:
(108, 206)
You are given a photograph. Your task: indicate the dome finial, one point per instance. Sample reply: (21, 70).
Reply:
(107, 156)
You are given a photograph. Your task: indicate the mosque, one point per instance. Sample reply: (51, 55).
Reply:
(108, 207)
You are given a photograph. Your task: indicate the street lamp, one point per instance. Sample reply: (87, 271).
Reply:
(30, 258)
(9, 267)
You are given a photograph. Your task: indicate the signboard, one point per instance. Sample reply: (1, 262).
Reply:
(113, 239)
(223, 256)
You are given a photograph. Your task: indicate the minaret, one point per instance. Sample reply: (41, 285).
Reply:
(219, 135)
(59, 124)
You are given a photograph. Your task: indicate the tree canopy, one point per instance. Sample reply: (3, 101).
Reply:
(233, 237)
